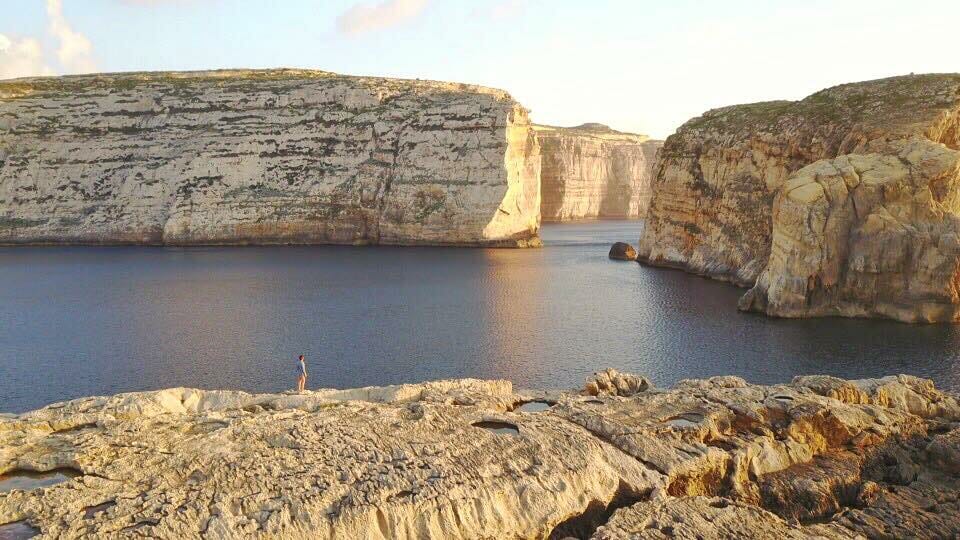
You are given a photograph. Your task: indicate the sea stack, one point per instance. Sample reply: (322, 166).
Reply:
(845, 203)
(592, 171)
(264, 157)
(623, 251)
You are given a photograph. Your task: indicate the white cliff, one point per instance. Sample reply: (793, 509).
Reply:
(592, 171)
(264, 157)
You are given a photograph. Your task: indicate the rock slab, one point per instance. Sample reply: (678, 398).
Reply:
(715, 458)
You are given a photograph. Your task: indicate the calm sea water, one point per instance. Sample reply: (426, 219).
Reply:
(87, 321)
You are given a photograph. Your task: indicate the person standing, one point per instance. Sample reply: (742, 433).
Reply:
(302, 375)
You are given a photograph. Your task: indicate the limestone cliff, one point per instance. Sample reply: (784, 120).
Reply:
(716, 458)
(867, 235)
(262, 157)
(870, 232)
(592, 171)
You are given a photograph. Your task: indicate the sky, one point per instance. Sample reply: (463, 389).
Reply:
(637, 65)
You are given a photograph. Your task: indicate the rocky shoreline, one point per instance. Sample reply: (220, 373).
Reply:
(714, 458)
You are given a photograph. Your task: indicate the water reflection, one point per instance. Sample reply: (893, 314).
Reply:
(18, 530)
(512, 313)
(88, 321)
(201, 301)
(533, 407)
(500, 428)
(771, 350)
(27, 480)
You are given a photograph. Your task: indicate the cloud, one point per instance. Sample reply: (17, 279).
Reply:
(75, 52)
(154, 2)
(21, 58)
(370, 17)
(506, 9)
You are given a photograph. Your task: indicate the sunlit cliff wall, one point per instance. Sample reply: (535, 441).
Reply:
(592, 171)
(844, 203)
(264, 157)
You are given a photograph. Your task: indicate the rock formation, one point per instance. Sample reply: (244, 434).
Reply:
(264, 157)
(592, 171)
(613, 383)
(844, 203)
(867, 235)
(623, 251)
(716, 458)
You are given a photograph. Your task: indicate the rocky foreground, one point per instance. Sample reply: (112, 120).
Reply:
(716, 458)
(264, 157)
(846, 203)
(592, 171)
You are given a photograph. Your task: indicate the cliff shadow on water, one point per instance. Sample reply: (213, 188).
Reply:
(723, 340)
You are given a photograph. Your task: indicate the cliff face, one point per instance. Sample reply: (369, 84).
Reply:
(717, 458)
(867, 232)
(867, 235)
(592, 171)
(277, 156)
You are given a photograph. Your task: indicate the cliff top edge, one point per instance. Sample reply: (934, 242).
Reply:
(903, 103)
(595, 130)
(12, 88)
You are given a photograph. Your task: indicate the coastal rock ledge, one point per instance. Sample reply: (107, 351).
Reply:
(715, 458)
(264, 157)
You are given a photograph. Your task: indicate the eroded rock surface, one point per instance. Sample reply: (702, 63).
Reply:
(716, 458)
(592, 171)
(613, 383)
(263, 157)
(867, 235)
(844, 203)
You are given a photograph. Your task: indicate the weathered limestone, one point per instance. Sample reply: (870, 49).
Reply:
(741, 194)
(185, 463)
(613, 383)
(264, 157)
(592, 171)
(867, 235)
(753, 461)
(707, 518)
(715, 458)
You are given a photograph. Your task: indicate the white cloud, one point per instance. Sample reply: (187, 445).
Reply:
(506, 9)
(370, 17)
(75, 52)
(154, 2)
(25, 57)
(21, 58)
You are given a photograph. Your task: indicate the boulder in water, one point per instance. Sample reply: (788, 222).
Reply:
(623, 251)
